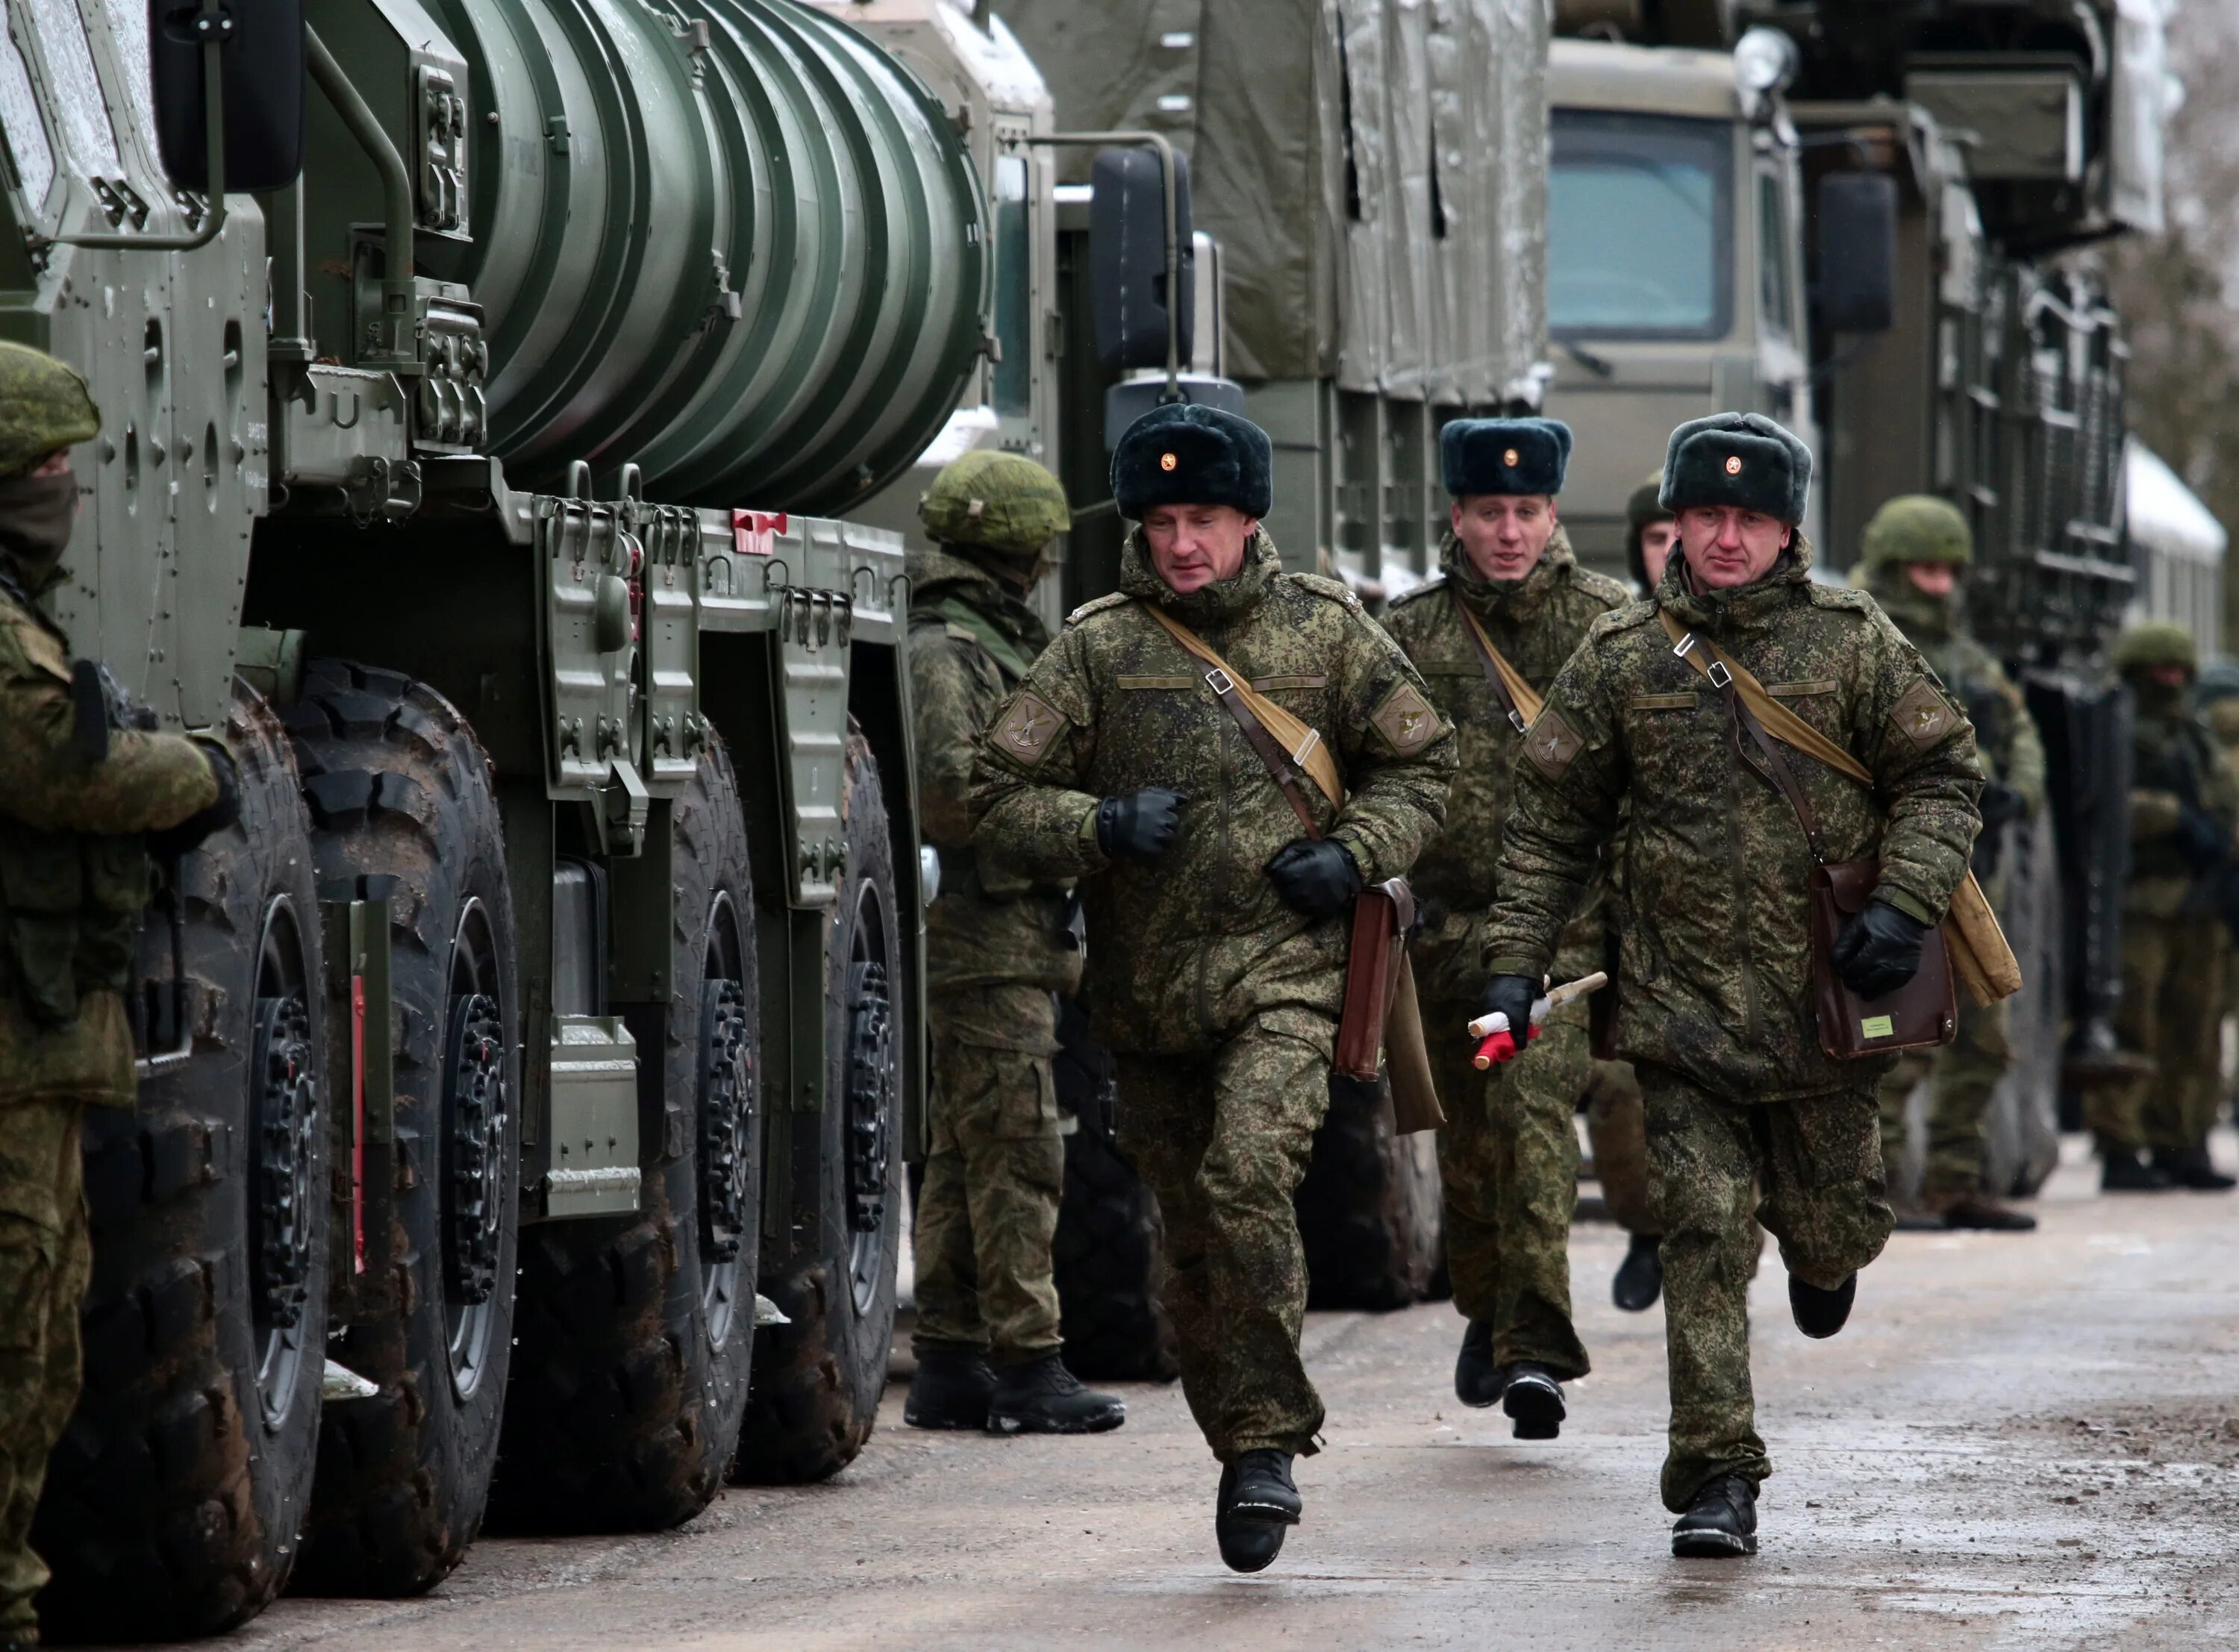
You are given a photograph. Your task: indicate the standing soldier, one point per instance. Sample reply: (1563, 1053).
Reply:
(2217, 697)
(1915, 549)
(2184, 803)
(1745, 1113)
(1511, 605)
(1139, 757)
(1650, 534)
(82, 806)
(997, 948)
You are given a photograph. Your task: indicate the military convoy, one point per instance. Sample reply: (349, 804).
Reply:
(526, 1083)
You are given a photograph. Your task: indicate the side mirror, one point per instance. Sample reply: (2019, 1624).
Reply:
(261, 48)
(1857, 247)
(1127, 258)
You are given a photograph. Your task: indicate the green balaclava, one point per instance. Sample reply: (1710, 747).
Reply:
(1909, 528)
(2149, 644)
(45, 406)
(1001, 510)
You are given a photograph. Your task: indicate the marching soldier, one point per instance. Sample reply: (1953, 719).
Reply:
(1218, 871)
(2184, 803)
(1745, 1112)
(1917, 547)
(997, 948)
(1513, 603)
(81, 805)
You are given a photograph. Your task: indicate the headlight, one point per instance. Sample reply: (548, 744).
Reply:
(1764, 62)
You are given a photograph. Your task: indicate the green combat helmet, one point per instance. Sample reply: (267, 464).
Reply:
(1918, 527)
(43, 406)
(1001, 502)
(2155, 642)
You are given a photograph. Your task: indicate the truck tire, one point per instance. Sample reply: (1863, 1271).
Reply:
(1368, 1207)
(173, 1498)
(634, 1333)
(1109, 1254)
(399, 785)
(817, 1381)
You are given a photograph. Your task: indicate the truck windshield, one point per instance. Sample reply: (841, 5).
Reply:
(1640, 225)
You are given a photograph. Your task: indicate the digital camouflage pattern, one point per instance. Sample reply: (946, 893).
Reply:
(996, 947)
(46, 1256)
(1916, 527)
(1219, 998)
(1810, 1170)
(2006, 740)
(1617, 1134)
(994, 1173)
(45, 406)
(1223, 1139)
(1715, 968)
(1508, 1156)
(1961, 1077)
(1002, 501)
(1116, 704)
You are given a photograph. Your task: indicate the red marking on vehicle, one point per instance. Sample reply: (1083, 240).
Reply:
(755, 532)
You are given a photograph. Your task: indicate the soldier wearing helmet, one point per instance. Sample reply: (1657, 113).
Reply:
(2184, 805)
(1917, 550)
(997, 948)
(81, 805)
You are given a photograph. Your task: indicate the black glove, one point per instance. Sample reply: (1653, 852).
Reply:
(1880, 951)
(1140, 825)
(2200, 840)
(1512, 995)
(1317, 875)
(1997, 805)
(174, 840)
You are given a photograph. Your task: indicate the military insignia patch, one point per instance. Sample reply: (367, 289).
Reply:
(1552, 743)
(1028, 727)
(1733, 464)
(1924, 716)
(1406, 719)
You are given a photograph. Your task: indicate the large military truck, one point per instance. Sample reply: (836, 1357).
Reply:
(1858, 218)
(525, 1081)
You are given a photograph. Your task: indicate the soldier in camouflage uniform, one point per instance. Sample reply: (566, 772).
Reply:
(1508, 1156)
(1917, 547)
(2216, 698)
(1217, 924)
(2184, 804)
(82, 804)
(997, 948)
(1745, 1113)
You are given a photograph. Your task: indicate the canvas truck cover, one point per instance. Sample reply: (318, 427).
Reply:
(1375, 171)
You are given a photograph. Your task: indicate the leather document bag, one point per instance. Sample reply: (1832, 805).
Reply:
(1921, 1014)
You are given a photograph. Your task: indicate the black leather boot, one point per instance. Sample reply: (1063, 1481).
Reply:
(1534, 1399)
(2195, 1170)
(1639, 1278)
(1477, 1380)
(950, 1390)
(2121, 1171)
(1720, 1524)
(1821, 1313)
(1259, 1500)
(1042, 1397)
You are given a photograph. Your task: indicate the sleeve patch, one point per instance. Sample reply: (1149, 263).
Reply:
(1553, 744)
(1405, 721)
(1028, 727)
(1924, 716)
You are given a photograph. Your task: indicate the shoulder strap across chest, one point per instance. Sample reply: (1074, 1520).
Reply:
(1517, 697)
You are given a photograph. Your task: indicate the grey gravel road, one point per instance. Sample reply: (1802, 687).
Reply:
(2018, 1442)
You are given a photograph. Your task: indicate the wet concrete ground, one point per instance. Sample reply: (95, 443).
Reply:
(2020, 1442)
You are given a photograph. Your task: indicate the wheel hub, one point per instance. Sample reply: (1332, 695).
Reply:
(287, 1112)
(870, 1089)
(474, 1106)
(727, 1118)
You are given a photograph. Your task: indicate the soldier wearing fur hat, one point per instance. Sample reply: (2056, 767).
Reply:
(1917, 549)
(2184, 804)
(1511, 601)
(997, 948)
(1217, 895)
(81, 805)
(1745, 1113)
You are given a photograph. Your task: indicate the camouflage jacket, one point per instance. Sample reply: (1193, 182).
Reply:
(1536, 623)
(1716, 971)
(2005, 735)
(73, 874)
(2173, 762)
(972, 642)
(1183, 950)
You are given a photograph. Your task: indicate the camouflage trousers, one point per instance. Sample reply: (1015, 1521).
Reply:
(1617, 1131)
(2171, 1010)
(1961, 1076)
(1811, 1172)
(995, 1171)
(1223, 1139)
(1508, 1162)
(46, 1259)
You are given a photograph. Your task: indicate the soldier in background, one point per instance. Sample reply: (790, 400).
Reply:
(1917, 549)
(1218, 899)
(1650, 534)
(1508, 1154)
(2184, 805)
(997, 948)
(2217, 697)
(1746, 1114)
(83, 804)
